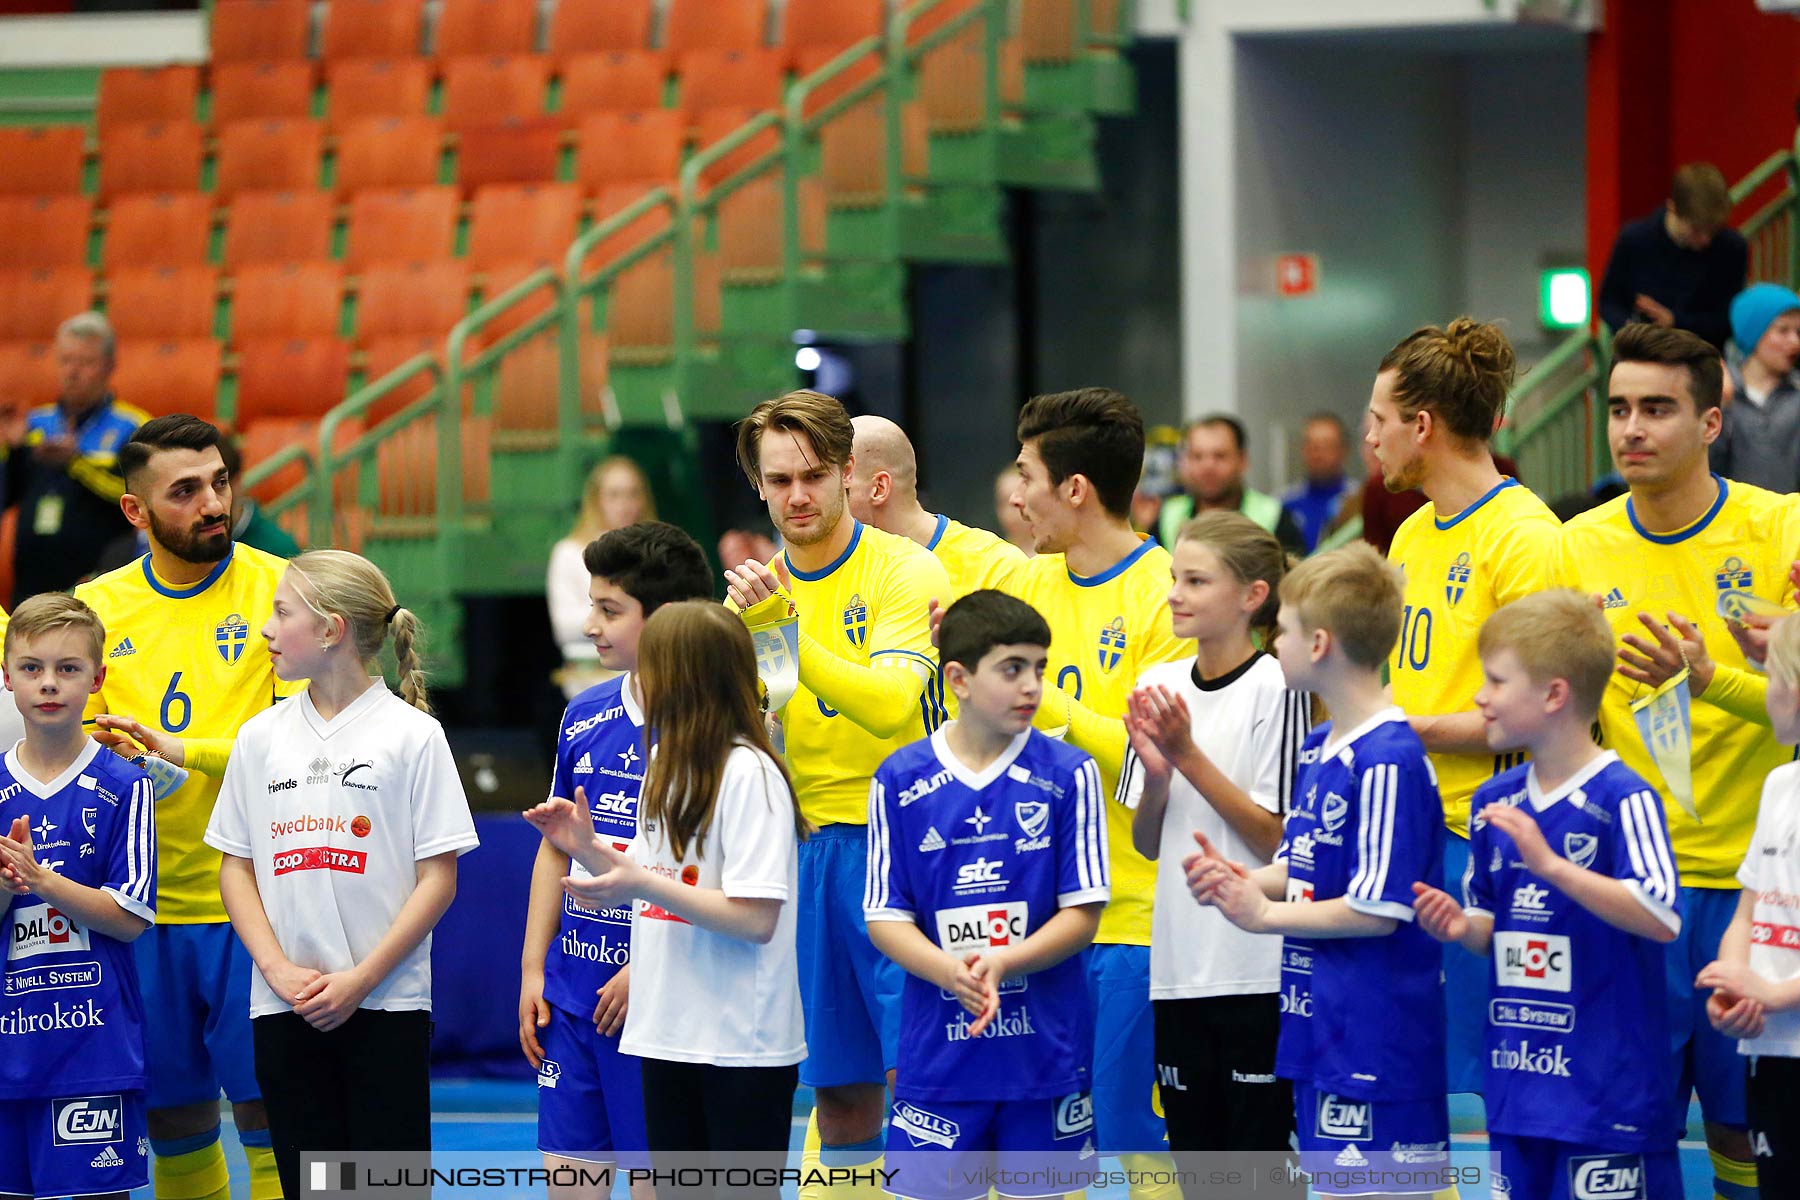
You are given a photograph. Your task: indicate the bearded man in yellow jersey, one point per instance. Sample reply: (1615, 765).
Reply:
(1660, 557)
(868, 686)
(1481, 541)
(1104, 590)
(884, 492)
(182, 654)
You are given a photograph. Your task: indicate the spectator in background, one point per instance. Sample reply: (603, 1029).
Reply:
(1214, 460)
(615, 495)
(1681, 265)
(1009, 521)
(249, 524)
(1760, 441)
(60, 465)
(1314, 502)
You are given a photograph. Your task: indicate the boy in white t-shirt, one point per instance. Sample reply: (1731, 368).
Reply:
(1756, 979)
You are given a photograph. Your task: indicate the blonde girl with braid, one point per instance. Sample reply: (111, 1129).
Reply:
(341, 818)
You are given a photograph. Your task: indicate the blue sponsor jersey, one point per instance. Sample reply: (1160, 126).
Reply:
(983, 859)
(1364, 1016)
(71, 1015)
(1577, 1018)
(599, 749)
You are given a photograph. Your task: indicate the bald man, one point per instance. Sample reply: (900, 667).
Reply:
(884, 492)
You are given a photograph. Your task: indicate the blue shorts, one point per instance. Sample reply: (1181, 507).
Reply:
(74, 1145)
(849, 989)
(1704, 1060)
(1128, 1115)
(590, 1097)
(196, 984)
(1542, 1169)
(934, 1145)
(1465, 991)
(1383, 1147)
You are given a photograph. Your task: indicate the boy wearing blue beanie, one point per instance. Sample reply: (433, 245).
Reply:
(1760, 440)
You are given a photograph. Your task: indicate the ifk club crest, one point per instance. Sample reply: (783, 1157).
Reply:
(856, 621)
(230, 636)
(1456, 580)
(1112, 644)
(1733, 575)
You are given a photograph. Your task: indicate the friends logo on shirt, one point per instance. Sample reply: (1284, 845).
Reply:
(1457, 578)
(1112, 644)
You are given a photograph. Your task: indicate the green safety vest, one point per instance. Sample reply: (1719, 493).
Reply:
(1260, 507)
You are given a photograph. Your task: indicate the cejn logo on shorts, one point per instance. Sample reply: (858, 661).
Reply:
(1344, 1119)
(979, 926)
(1540, 961)
(1607, 1177)
(40, 929)
(88, 1120)
(321, 858)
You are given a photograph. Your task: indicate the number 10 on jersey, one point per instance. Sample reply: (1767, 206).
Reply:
(1414, 650)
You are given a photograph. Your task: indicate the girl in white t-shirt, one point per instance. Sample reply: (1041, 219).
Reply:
(1756, 979)
(715, 986)
(340, 818)
(1215, 740)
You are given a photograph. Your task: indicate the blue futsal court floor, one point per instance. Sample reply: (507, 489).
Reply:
(499, 1117)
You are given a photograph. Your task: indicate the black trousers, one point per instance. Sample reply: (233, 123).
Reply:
(699, 1116)
(1215, 1070)
(1772, 1093)
(365, 1085)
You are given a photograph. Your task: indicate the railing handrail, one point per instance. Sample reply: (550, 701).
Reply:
(358, 402)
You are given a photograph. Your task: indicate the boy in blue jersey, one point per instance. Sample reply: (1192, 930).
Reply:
(987, 877)
(1362, 1016)
(575, 971)
(79, 859)
(1571, 894)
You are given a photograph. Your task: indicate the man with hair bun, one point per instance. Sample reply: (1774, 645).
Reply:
(1480, 542)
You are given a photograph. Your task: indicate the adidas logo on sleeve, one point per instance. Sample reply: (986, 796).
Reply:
(122, 649)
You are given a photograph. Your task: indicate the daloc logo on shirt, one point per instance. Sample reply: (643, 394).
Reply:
(1733, 575)
(1112, 644)
(1457, 578)
(230, 637)
(856, 621)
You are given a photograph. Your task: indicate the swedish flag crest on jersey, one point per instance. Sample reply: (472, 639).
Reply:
(1112, 644)
(1733, 575)
(1456, 580)
(230, 637)
(856, 620)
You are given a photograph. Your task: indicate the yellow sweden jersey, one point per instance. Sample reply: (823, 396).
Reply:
(189, 661)
(1458, 571)
(871, 608)
(1746, 540)
(974, 558)
(1106, 630)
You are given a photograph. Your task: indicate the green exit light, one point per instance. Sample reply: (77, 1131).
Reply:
(1565, 298)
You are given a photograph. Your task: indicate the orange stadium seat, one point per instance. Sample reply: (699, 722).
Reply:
(271, 300)
(28, 374)
(486, 27)
(620, 80)
(291, 377)
(526, 395)
(34, 302)
(44, 231)
(636, 148)
(376, 87)
(714, 24)
(730, 79)
(278, 227)
(418, 299)
(523, 223)
(162, 302)
(261, 90)
(513, 151)
(42, 161)
(388, 152)
(502, 278)
(404, 225)
(173, 376)
(600, 26)
(268, 156)
(268, 436)
(716, 124)
(482, 89)
(829, 25)
(373, 28)
(131, 95)
(259, 30)
(383, 355)
(615, 200)
(171, 229)
(150, 156)
(407, 466)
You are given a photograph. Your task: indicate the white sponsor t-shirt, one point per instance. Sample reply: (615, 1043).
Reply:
(334, 815)
(1250, 725)
(1772, 870)
(704, 997)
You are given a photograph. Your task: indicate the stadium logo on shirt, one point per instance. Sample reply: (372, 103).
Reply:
(1539, 961)
(1112, 644)
(230, 636)
(1456, 580)
(1343, 1119)
(924, 1127)
(1733, 575)
(85, 1120)
(1607, 1177)
(1580, 848)
(856, 621)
